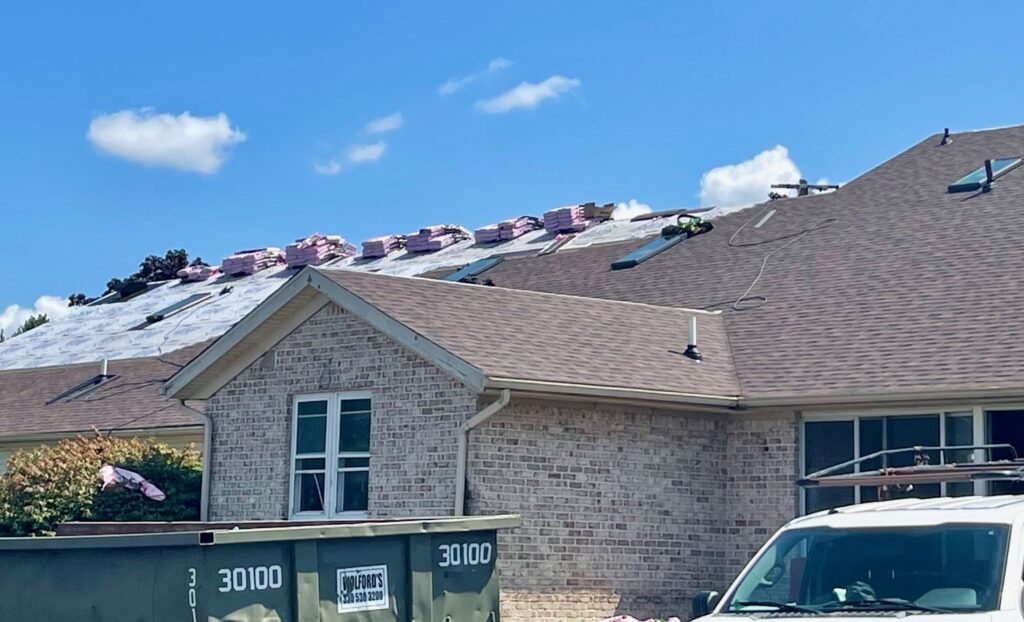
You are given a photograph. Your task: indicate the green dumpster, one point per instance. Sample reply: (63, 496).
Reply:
(435, 570)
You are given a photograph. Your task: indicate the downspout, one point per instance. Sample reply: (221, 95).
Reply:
(204, 498)
(463, 456)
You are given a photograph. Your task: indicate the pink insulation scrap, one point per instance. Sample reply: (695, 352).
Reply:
(506, 230)
(316, 249)
(382, 246)
(435, 237)
(251, 261)
(566, 219)
(194, 274)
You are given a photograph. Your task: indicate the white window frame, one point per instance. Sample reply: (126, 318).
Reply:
(330, 455)
(977, 411)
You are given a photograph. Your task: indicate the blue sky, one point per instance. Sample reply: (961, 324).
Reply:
(629, 101)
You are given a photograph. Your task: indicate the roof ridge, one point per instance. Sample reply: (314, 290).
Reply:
(526, 292)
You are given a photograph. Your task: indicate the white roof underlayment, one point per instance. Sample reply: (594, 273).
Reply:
(105, 331)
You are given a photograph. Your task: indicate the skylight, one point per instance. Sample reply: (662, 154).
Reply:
(177, 307)
(645, 252)
(477, 267)
(977, 178)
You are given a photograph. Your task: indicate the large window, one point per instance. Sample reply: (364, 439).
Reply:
(830, 440)
(330, 455)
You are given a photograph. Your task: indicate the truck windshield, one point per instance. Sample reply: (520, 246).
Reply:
(937, 569)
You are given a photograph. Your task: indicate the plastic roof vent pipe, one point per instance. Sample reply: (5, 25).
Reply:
(103, 368)
(463, 453)
(691, 344)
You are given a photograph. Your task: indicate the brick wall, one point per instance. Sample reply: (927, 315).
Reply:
(627, 510)
(417, 410)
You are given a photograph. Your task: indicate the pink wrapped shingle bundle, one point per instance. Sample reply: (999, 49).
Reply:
(382, 246)
(316, 249)
(506, 230)
(565, 219)
(251, 261)
(632, 619)
(435, 237)
(512, 229)
(488, 234)
(194, 274)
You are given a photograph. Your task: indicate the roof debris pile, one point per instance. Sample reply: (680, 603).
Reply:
(507, 230)
(435, 237)
(315, 249)
(195, 274)
(383, 246)
(251, 261)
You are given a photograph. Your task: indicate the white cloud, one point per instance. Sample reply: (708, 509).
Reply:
(454, 84)
(528, 95)
(358, 154)
(389, 123)
(625, 211)
(749, 181)
(54, 307)
(185, 142)
(330, 167)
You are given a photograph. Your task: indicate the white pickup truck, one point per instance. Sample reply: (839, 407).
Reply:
(959, 558)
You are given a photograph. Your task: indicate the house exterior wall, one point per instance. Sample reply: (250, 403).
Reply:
(417, 410)
(625, 509)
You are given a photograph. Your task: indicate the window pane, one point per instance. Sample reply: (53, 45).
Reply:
(311, 435)
(349, 463)
(319, 407)
(871, 440)
(1006, 426)
(353, 491)
(310, 464)
(827, 443)
(903, 432)
(309, 490)
(350, 406)
(355, 432)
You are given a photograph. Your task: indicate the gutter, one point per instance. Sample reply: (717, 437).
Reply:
(463, 453)
(204, 498)
(599, 391)
(917, 397)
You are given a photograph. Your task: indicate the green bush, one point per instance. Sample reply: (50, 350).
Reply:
(54, 484)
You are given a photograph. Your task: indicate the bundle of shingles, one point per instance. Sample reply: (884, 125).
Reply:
(435, 237)
(566, 219)
(382, 246)
(251, 261)
(316, 249)
(194, 274)
(506, 230)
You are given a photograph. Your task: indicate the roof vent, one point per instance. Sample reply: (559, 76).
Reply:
(984, 177)
(466, 273)
(691, 343)
(803, 188)
(946, 138)
(82, 388)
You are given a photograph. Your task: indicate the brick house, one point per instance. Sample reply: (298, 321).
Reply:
(884, 314)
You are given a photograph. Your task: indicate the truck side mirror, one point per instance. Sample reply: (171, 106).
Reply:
(704, 603)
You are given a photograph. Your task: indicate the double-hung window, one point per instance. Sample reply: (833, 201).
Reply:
(330, 455)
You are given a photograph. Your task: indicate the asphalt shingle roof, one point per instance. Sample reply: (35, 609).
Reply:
(527, 335)
(900, 286)
(130, 401)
